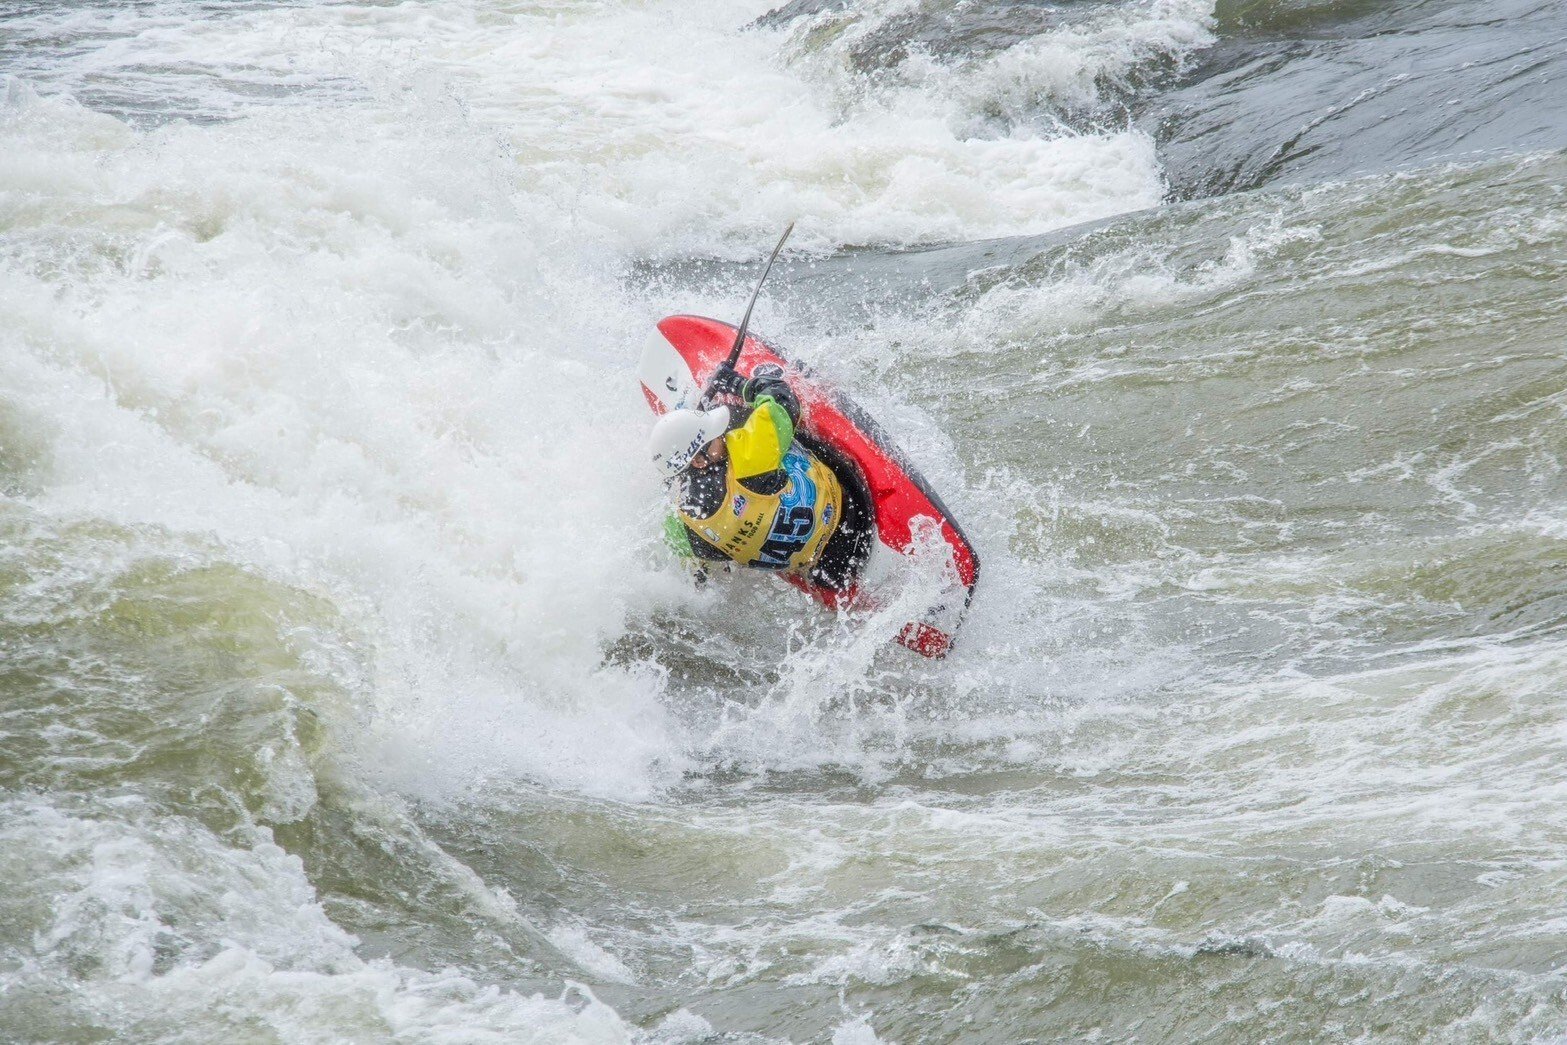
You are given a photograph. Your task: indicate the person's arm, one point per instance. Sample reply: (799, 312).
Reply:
(758, 446)
(768, 380)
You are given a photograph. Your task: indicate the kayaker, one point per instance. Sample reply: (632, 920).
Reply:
(745, 489)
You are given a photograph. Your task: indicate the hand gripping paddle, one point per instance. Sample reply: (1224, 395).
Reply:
(734, 353)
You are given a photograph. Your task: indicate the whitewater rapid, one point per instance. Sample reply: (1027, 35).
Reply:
(348, 692)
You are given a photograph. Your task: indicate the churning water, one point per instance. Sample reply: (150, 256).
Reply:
(347, 693)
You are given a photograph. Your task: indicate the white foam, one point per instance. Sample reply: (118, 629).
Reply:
(1065, 65)
(172, 927)
(857, 1031)
(324, 369)
(574, 942)
(376, 343)
(612, 120)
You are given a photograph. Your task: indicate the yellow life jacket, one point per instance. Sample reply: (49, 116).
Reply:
(785, 530)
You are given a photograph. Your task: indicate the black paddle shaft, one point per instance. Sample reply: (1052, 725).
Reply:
(734, 353)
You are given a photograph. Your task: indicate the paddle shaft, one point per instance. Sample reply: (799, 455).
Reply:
(734, 353)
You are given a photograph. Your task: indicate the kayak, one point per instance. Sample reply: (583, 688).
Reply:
(909, 518)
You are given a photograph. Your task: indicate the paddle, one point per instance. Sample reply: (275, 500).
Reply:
(734, 353)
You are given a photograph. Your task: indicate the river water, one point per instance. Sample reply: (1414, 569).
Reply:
(348, 694)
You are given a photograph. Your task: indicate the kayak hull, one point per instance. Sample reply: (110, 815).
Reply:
(909, 516)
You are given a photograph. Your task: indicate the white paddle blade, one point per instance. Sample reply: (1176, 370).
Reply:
(666, 379)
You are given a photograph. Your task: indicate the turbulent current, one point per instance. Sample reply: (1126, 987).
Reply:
(347, 690)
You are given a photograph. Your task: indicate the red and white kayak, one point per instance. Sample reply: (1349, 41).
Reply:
(683, 353)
